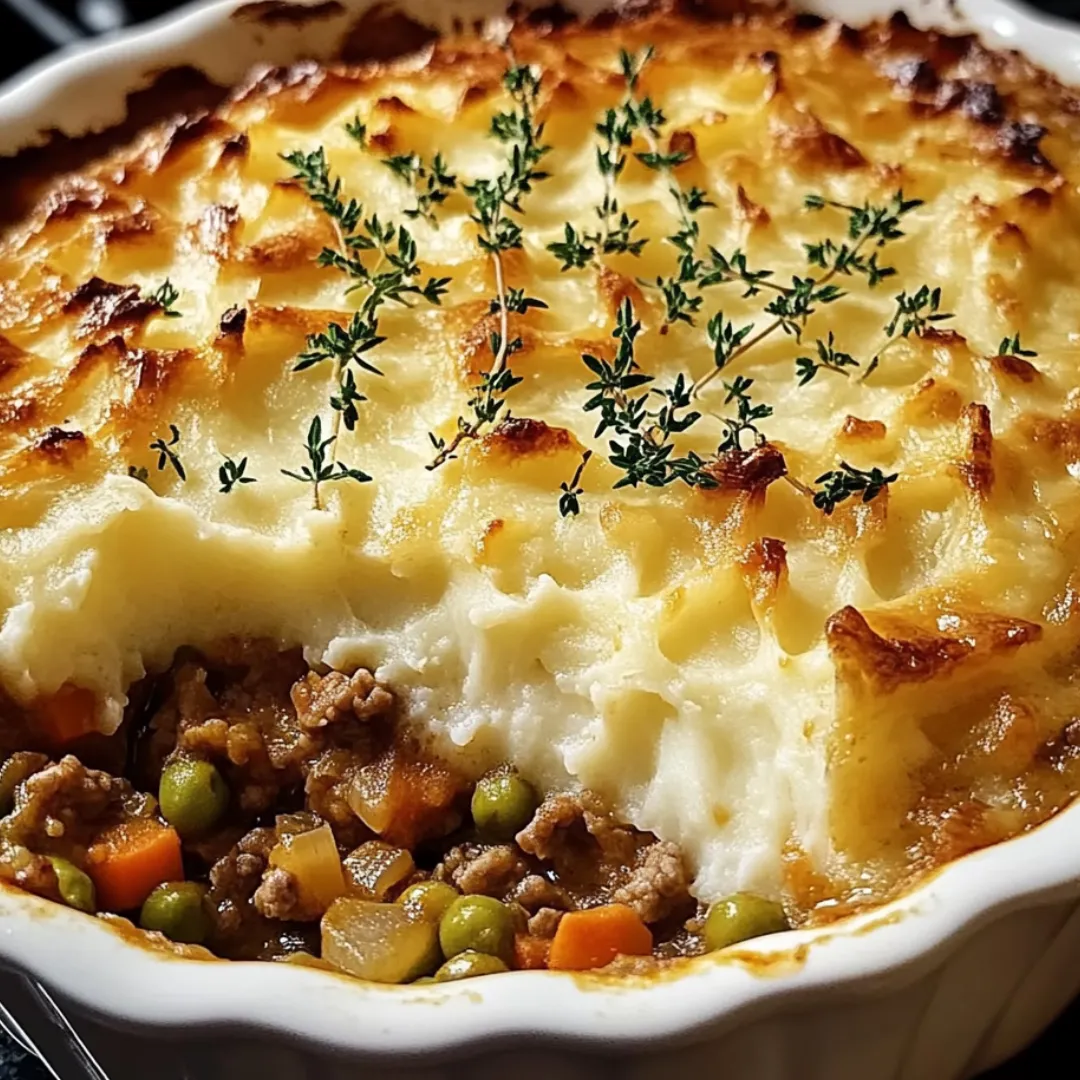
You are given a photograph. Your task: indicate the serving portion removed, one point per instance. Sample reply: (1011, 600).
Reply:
(580, 493)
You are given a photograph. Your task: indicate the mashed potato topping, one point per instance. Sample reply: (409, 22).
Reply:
(821, 702)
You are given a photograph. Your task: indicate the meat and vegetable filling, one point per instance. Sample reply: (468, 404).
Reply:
(267, 811)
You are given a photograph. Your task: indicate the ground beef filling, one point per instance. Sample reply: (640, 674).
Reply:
(314, 800)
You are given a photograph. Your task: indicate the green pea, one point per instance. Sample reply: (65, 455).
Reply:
(477, 924)
(740, 918)
(468, 965)
(76, 888)
(193, 796)
(177, 909)
(503, 804)
(428, 899)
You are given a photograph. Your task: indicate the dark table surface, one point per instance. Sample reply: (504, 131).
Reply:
(19, 46)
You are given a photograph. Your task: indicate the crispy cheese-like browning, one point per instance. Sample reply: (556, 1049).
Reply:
(826, 704)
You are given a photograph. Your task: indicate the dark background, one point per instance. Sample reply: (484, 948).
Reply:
(20, 45)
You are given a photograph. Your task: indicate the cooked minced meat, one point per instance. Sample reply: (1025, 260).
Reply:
(551, 834)
(235, 878)
(22, 868)
(545, 922)
(326, 789)
(487, 871)
(536, 892)
(279, 896)
(324, 699)
(64, 803)
(659, 886)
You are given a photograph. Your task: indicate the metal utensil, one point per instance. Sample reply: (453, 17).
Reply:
(31, 1016)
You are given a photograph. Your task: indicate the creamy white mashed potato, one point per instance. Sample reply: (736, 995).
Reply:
(678, 651)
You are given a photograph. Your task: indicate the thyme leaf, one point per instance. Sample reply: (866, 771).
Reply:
(167, 456)
(1012, 347)
(232, 473)
(165, 296)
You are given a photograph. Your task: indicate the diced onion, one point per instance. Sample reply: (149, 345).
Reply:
(379, 942)
(374, 868)
(312, 859)
(370, 796)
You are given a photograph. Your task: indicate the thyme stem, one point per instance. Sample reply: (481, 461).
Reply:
(494, 203)
(498, 366)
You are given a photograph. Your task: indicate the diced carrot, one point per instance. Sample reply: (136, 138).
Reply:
(128, 861)
(66, 715)
(531, 953)
(593, 938)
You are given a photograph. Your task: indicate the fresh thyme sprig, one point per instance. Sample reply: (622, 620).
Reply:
(746, 419)
(642, 116)
(644, 450)
(358, 235)
(915, 313)
(721, 269)
(644, 453)
(393, 277)
(829, 358)
(319, 470)
(868, 225)
(844, 483)
(165, 296)
(167, 456)
(569, 504)
(726, 339)
(615, 233)
(346, 346)
(497, 205)
(232, 473)
(1013, 347)
(432, 181)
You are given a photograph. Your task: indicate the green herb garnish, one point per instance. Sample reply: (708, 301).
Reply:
(844, 483)
(319, 469)
(829, 358)
(915, 313)
(167, 456)
(165, 296)
(392, 276)
(569, 504)
(497, 205)
(1012, 347)
(232, 473)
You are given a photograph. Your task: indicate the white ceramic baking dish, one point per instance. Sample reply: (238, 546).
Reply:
(944, 983)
